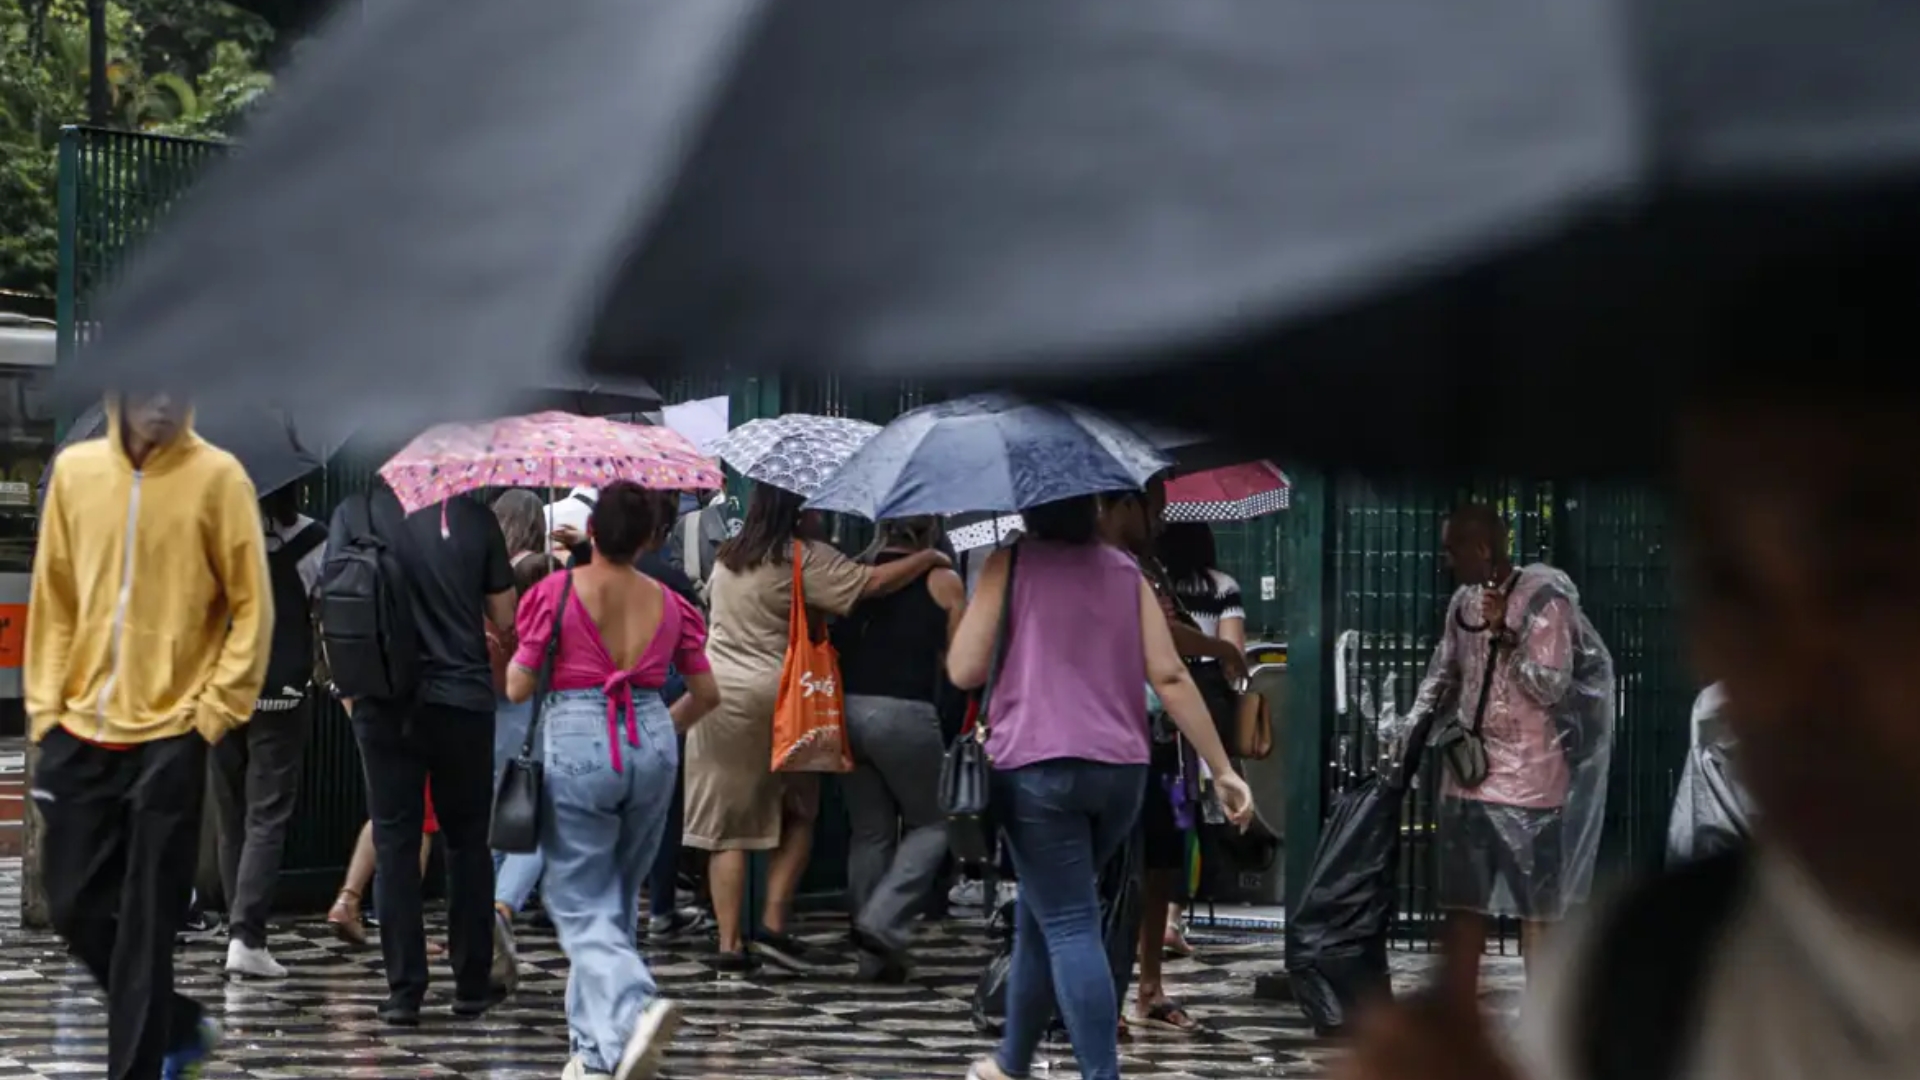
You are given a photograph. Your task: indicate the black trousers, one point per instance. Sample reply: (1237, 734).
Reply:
(255, 781)
(400, 747)
(122, 836)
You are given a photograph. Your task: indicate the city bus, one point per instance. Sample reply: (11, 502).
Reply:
(28, 435)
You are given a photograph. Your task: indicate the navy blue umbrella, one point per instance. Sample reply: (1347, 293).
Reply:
(988, 453)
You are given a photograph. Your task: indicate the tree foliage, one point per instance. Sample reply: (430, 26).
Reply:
(177, 67)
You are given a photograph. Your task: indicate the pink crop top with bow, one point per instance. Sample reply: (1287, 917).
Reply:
(583, 663)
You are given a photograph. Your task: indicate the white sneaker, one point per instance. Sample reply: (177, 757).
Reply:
(243, 959)
(648, 1043)
(970, 893)
(1005, 893)
(985, 1069)
(506, 954)
(577, 1070)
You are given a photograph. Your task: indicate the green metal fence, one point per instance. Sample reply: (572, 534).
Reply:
(114, 187)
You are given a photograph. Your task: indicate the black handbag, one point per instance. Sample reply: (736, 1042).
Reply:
(518, 793)
(966, 774)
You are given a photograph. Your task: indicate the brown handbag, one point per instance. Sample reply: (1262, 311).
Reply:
(1253, 728)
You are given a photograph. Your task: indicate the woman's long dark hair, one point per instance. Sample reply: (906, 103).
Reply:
(1069, 521)
(773, 517)
(1187, 551)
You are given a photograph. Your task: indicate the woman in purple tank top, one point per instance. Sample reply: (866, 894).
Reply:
(1067, 733)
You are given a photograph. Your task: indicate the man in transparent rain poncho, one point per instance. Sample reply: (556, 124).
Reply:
(1520, 699)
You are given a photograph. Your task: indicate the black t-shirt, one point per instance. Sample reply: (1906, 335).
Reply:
(654, 564)
(450, 577)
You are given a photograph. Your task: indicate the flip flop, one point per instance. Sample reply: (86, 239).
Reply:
(1168, 1016)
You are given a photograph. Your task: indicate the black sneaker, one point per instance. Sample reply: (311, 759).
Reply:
(789, 952)
(735, 963)
(399, 1013)
(469, 1008)
(679, 923)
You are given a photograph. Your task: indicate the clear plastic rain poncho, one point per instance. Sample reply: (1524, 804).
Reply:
(1522, 842)
(1711, 811)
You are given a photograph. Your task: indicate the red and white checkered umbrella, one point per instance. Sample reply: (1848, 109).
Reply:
(1233, 493)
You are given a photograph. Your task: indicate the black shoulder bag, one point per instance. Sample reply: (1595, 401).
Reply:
(517, 795)
(966, 775)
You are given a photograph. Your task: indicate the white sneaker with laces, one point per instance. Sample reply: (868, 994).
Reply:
(244, 959)
(577, 1070)
(648, 1043)
(970, 893)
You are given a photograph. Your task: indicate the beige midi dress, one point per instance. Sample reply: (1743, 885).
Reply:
(735, 802)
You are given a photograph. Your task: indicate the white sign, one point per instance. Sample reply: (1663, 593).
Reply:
(1268, 587)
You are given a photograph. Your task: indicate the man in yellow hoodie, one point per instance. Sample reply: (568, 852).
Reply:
(147, 636)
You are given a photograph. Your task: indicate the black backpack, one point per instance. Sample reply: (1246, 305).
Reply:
(365, 611)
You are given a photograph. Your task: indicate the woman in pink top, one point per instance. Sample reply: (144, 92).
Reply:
(611, 756)
(1067, 732)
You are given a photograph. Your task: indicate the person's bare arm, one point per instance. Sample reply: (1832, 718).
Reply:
(1192, 641)
(500, 610)
(520, 683)
(951, 594)
(894, 576)
(971, 650)
(1233, 631)
(701, 698)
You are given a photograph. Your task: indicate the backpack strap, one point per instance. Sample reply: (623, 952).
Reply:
(303, 543)
(1646, 970)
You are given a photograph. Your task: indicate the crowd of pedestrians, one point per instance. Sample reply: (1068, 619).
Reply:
(174, 649)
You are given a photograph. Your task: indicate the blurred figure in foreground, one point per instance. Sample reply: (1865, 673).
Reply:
(1520, 695)
(1799, 957)
(147, 639)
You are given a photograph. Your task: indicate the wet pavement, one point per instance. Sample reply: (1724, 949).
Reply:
(319, 1021)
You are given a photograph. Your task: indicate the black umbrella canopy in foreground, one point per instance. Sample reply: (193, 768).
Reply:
(1383, 233)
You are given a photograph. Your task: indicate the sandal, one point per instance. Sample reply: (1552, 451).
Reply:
(1168, 1016)
(344, 918)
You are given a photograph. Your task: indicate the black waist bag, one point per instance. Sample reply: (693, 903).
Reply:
(966, 774)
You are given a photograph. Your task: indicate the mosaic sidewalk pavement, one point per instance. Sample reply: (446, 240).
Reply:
(319, 1022)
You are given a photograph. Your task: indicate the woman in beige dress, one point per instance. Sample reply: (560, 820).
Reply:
(736, 804)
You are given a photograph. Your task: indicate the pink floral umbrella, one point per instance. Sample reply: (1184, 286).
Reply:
(549, 449)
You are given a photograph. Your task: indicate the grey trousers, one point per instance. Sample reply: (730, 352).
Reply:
(899, 836)
(254, 774)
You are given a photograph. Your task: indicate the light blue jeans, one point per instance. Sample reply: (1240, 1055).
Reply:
(599, 831)
(514, 876)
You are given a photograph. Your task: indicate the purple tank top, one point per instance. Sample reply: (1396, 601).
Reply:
(1071, 685)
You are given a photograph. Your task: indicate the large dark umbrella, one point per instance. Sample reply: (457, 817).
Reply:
(274, 446)
(1383, 232)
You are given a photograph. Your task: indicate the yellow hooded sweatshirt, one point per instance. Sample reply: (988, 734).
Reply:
(150, 612)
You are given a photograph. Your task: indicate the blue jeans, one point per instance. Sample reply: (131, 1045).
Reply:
(663, 882)
(599, 832)
(514, 876)
(1063, 820)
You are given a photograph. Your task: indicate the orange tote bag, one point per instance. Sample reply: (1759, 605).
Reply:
(809, 717)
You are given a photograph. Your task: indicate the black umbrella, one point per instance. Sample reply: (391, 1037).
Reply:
(271, 444)
(1383, 232)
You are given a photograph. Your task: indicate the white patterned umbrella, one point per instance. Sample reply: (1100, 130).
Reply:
(795, 452)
